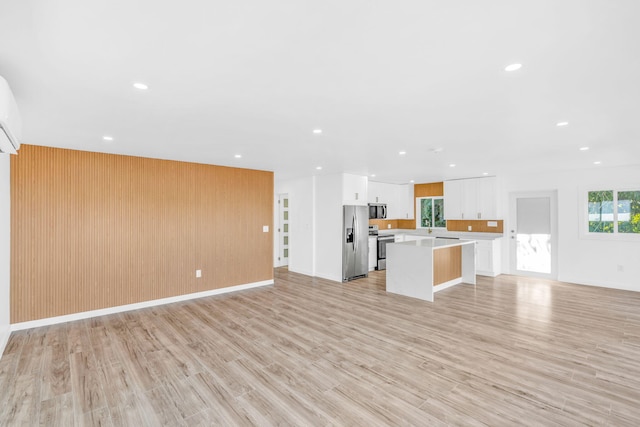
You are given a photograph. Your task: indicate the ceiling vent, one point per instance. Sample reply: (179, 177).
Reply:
(10, 123)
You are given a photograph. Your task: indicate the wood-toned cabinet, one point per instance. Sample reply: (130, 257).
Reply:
(471, 199)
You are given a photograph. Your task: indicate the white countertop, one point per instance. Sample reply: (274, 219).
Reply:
(438, 233)
(435, 243)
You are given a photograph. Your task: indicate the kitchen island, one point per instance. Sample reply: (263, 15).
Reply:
(421, 268)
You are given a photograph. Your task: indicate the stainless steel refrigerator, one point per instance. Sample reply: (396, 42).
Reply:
(355, 242)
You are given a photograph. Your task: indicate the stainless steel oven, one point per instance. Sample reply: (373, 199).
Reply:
(382, 250)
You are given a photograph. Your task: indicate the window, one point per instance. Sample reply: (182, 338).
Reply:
(614, 212)
(430, 212)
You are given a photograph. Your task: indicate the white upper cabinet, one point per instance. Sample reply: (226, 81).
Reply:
(473, 198)
(397, 197)
(453, 199)
(407, 202)
(488, 198)
(376, 192)
(354, 189)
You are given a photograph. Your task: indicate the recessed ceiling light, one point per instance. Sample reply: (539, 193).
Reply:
(513, 67)
(560, 124)
(485, 173)
(452, 165)
(238, 156)
(140, 86)
(411, 180)
(597, 162)
(584, 148)
(317, 131)
(373, 175)
(107, 138)
(319, 168)
(402, 153)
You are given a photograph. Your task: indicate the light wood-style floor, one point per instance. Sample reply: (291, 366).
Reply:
(310, 352)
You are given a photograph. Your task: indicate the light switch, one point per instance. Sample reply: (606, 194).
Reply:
(198, 273)
(492, 223)
(265, 228)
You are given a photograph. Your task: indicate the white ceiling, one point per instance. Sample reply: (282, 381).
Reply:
(255, 77)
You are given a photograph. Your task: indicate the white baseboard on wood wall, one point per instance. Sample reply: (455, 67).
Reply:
(135, 306)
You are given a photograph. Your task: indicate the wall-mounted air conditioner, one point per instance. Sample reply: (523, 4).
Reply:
(10, 123)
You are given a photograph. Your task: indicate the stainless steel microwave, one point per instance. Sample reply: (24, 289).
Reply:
(377, 211)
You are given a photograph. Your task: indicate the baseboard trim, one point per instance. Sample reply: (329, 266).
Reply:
(5, 332)
(446, 285)
(136, 306)
(618, 286)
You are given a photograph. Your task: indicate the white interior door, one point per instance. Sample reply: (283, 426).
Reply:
(533, 234)
(283, 230)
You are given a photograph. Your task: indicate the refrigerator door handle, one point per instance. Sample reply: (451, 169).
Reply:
(353, 227)
(355, 232)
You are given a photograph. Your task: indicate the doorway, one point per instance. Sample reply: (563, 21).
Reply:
(283, 230)
(533, 247)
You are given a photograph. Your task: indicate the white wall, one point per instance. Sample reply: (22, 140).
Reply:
(581, 259)
(315, 213)
(329, 227)
(301, 223)
(5, 246)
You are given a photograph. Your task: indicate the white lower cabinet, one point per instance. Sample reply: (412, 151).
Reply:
(488, 257)
(373, 253)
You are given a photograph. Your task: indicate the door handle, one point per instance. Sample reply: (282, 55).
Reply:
(355, 233)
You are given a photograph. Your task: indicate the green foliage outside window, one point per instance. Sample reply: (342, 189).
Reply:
(629, 212)
(604, 210)
(432, 213)
(426, 213)
(601, 211)
(438, 213)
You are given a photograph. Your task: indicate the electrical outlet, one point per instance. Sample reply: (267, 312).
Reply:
(388, 225)
(265, 228)
(198, 273)
(469, 228)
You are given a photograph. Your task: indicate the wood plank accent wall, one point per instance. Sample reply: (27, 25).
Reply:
(427, 190)
(447, 264)
(93, 230)
(477, 225)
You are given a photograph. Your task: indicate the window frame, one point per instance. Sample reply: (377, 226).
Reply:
(584, 232)
(419, 213)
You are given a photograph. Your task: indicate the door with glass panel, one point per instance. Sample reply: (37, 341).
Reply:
(283, 230)
(532, 234)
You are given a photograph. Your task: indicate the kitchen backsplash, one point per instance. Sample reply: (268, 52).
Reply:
(477, 226)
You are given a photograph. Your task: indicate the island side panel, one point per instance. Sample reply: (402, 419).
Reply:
(469, 263)
(447, 264)
(409, 271)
